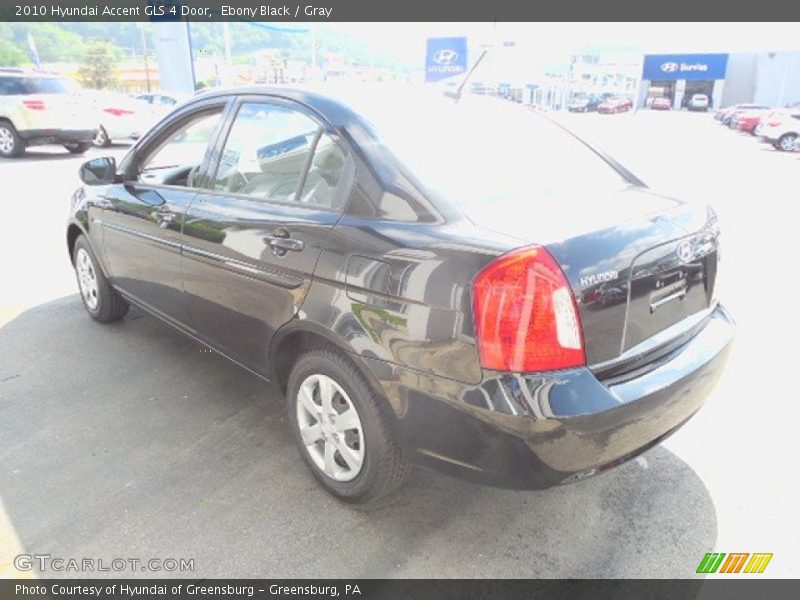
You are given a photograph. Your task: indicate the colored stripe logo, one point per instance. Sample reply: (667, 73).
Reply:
(736, 562)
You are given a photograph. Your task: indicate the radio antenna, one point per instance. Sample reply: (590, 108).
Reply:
(456, 95)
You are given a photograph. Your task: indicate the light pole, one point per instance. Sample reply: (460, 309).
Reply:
(144, 51)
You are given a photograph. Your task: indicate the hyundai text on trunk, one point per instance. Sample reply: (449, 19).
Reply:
(458, 284)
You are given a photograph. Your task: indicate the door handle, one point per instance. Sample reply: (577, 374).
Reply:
(280, 242)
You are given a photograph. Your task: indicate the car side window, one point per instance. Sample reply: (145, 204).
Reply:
(177, 159)
(267, 153)
(324, 175)
(11, 85)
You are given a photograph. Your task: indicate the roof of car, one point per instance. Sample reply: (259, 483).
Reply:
(9, 72)
(330, 104)
(343, 105)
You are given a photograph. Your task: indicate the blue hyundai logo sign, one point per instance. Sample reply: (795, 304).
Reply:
(445, 57)
(684, 66)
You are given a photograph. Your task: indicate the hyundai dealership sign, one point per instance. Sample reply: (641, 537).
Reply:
(445, 57)
(684, 66)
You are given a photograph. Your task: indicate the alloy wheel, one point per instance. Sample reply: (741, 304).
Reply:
(787, 142)
(330, 428)
(87, 278)
(6, 140)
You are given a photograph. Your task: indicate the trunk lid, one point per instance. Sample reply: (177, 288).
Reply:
(641, 276)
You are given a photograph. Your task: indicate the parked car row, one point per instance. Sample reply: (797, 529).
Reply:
(602, 103)
(40, 108)
(777, 126)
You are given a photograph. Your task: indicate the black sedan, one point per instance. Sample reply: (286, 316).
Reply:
(462, 285)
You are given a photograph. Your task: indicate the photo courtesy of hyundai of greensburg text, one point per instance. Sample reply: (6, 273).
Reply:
(342, 299)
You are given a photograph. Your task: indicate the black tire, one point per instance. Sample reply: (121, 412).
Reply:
(383, 469)
(101, 139)
(786, 142)
(109, 306)
(11, 144)
(77, 147)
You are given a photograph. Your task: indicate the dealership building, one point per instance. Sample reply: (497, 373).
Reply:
(765, 78)
(768, 78)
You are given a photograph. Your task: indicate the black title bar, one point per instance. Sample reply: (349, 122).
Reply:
(391, 11)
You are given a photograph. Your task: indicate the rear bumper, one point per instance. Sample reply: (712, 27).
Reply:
(117, 132)
(57, 136)
(539, 430)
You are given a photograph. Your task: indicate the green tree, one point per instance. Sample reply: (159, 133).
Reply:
(53, 43)
(11, 55)
(98, 69)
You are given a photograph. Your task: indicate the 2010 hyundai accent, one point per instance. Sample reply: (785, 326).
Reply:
(462, 285)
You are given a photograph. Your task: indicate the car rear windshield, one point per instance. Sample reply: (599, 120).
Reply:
(35, 85)
(490, 157)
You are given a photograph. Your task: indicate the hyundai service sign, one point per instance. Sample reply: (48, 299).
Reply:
(445, 57)
(660, 67)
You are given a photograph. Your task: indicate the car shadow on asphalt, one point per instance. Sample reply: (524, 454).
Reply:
(131, 440)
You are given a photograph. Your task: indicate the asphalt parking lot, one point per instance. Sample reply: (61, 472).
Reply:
(130, 441)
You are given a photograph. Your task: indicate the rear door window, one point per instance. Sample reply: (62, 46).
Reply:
(10, 86)
(48, 85)
(277, 154)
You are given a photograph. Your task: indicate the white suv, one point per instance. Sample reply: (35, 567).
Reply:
(781, 128)
(698, 102)
(37, 108)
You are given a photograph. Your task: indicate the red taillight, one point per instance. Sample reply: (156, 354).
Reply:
(525, 314)
(118, 112)
(34, 104)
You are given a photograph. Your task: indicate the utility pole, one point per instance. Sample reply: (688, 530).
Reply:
(226, 33)
(313, 27)
(191, 55)
(781, 94)
(144, 51)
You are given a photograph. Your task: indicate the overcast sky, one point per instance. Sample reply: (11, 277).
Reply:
(556, 41)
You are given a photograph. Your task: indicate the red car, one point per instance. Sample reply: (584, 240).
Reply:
(748, 120)
(615, 105)
(661, 104)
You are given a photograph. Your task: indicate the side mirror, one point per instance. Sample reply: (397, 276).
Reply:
(99, 171)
